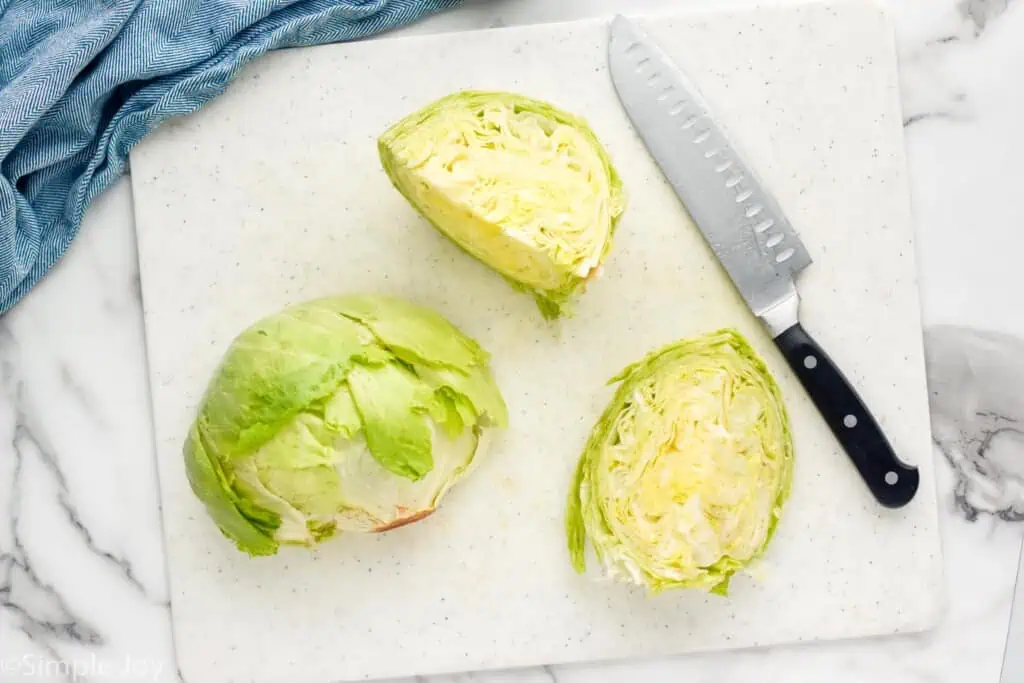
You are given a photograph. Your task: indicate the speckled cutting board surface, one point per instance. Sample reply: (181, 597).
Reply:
(274, 194)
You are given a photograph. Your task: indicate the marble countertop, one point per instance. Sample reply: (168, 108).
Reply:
(83, 593)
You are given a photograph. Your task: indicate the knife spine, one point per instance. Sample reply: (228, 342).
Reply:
(772, 242)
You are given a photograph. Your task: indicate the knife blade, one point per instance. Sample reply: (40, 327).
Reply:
(750, 235)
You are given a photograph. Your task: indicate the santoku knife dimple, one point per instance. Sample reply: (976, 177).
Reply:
(752, 239)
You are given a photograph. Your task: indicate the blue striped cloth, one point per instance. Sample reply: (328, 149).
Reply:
(82, 81)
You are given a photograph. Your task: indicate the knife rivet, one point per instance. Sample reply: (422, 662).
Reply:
(850, 421)
(810, 362)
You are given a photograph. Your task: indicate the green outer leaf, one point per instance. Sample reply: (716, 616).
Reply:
(575, 529)
(582, 496)
(340, 413)
(477, 386)
(211, 486)
(467, 413)
(552, 303)
(393, 404)
(321, 531)
(446, 413)
(274, 370)
(415, 334)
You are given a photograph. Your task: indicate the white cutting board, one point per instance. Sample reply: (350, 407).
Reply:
(273, 194)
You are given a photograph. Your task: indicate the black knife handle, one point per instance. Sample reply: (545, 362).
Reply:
(891, 481)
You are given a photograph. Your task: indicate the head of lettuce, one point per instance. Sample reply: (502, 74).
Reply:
(348, 413)
(519, 184)
(683, 479)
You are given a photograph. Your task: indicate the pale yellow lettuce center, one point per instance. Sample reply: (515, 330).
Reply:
(693, 470)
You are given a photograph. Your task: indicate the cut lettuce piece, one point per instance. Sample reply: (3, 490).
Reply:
(684, 477)
(518, 183)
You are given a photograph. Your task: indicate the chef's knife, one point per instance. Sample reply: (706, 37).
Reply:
(751, 237)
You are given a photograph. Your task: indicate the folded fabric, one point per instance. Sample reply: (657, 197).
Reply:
(82, 81)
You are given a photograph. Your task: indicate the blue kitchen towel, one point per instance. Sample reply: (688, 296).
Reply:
(82, 81)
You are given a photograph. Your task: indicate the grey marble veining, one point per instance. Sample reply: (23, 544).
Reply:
(83, 594)
(932, 90)
(81, 573)
(981, 13)
(976, 379)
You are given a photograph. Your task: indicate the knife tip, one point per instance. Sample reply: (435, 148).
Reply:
(621, 29)
(619, 22)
